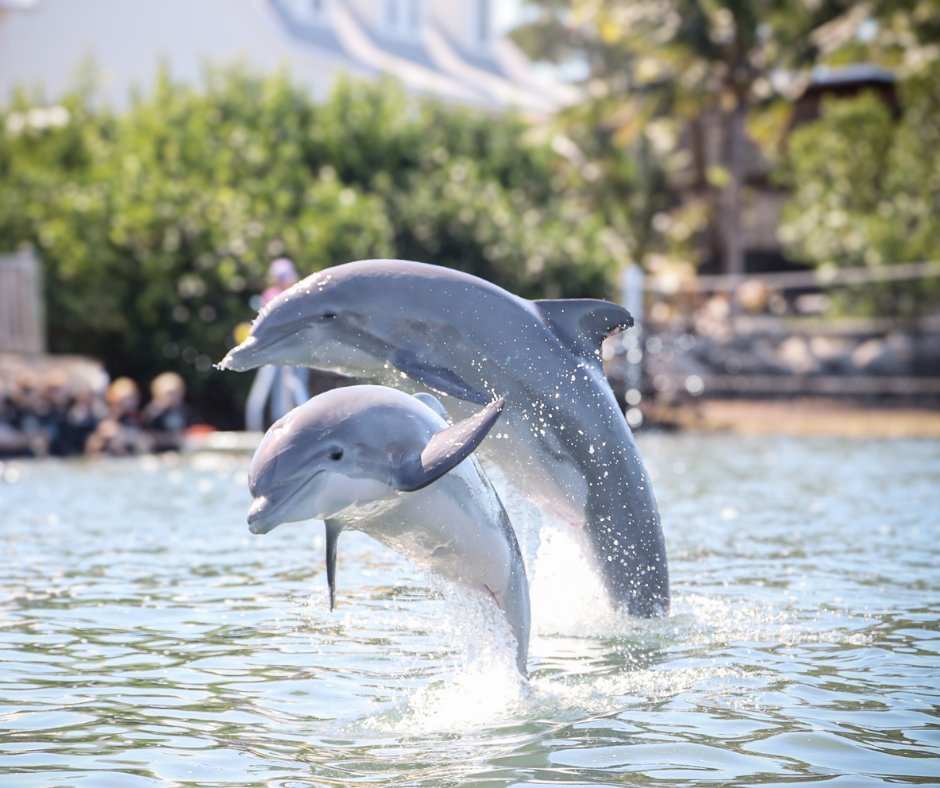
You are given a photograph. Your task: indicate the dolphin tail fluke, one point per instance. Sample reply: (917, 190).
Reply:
(333, 530)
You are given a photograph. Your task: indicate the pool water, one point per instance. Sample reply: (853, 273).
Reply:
(147, 638)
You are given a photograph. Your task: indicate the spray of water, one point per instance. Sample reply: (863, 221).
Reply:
(574, 628)
(585, 657)
(480, 685)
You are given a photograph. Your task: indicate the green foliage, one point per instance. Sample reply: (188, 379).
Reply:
(837, 184)
(866, 191)
(662, 73)
(156, 227)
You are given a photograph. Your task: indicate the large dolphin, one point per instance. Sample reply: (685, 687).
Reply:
(568, 449)
(377, 460)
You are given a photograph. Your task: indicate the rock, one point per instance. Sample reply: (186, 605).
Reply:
(832, 353)
(926, 354)
(891, 356)
(796, 355)
(753, 295)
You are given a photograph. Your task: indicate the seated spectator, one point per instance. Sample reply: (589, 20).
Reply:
(30, 413)
(280, 386)
(63, 414)
(55, 401)
(120, 434)
(87, 410)
(12, 440)
(165, 417)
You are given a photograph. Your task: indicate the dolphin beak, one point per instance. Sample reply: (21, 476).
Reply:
(256, 516)
(239, 359)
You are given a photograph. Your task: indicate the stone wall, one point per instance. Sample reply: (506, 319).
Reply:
(771, 358)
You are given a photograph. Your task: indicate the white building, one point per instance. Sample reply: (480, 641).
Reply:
(442, 48)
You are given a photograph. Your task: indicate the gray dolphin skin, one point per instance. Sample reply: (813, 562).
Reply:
(377, 460)
(567, 446)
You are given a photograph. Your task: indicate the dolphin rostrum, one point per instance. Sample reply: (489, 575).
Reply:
(569, 448)
(377, 460)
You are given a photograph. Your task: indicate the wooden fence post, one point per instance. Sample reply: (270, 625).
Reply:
(22, 321)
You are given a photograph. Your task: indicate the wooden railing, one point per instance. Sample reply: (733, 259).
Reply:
(696, 347)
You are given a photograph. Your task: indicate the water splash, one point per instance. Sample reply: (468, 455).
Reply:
(567, 596)
(482, 685)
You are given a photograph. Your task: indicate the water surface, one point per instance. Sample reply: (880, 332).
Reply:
(146, 638)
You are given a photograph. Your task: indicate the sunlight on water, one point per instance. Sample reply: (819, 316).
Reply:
(148, 639)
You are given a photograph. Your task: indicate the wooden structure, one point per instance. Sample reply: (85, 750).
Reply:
(696, 350)
(22, 322)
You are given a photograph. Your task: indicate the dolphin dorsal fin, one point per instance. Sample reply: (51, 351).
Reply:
(433, 403)
(333, 529)
(583, 323)
(447, 449)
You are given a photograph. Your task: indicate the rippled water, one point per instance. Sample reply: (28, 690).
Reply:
(146, 638)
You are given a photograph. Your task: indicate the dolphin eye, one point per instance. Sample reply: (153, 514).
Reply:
(336, 454)
(328, 316)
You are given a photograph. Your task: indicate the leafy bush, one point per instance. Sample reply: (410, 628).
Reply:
(866, 192)
(156, 226)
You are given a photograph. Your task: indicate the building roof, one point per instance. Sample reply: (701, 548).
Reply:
(427, 60)
(320, 37)
(42, 43)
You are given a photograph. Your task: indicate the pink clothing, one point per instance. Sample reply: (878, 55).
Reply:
(271, 293)
(283, 274)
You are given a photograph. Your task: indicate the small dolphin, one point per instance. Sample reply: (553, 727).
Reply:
(569, 448)
(377, 460)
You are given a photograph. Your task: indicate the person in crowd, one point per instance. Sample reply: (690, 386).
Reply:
(284, 387)
(36, 415)
(165, 417)
(13, 442)
(50, 413)
(55, 400)
(31, 413)
(87, 411)
(121, 433)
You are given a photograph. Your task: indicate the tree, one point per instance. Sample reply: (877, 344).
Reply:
(873, 202)
(676, 61)
(156, 227)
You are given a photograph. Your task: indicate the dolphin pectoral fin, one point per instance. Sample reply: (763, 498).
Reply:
(438, 378)
(333, 530)
(447, 449)
(583, 323)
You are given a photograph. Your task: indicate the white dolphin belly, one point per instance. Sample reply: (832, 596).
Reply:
(457, 528)
(450, 528)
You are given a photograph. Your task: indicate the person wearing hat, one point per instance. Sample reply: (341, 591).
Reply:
(284, 387)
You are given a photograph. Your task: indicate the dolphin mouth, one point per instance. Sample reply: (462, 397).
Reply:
(260, 519)
(263, 516)
(240, 358)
